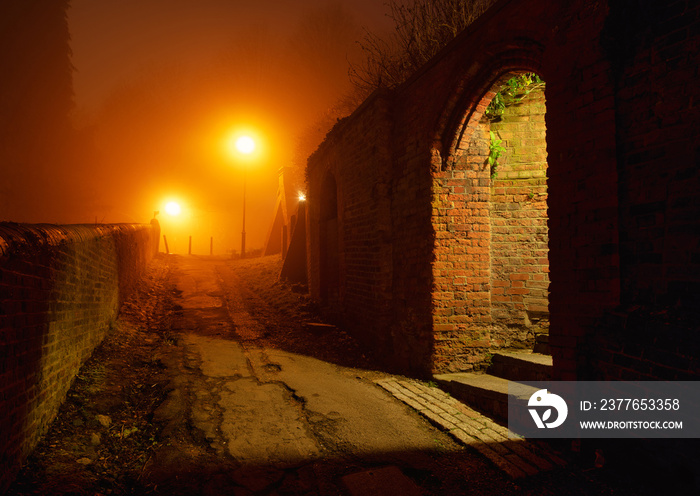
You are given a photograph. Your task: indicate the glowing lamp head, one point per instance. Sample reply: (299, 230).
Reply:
(245, 145)
(302, 197)
(173, 208)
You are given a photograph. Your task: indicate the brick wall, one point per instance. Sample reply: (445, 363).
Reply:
(519, 234)
(462, 268)
(491, 267)
(655, 333)
(60, 291)
(621, 188)
(349, 214)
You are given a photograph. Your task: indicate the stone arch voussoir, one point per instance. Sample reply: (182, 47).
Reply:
(471, 96)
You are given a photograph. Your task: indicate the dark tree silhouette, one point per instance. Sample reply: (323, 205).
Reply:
(36, 89)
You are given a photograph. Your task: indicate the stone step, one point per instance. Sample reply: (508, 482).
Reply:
(521, 366)
(516, 456)
(542, 344)
(488, 394)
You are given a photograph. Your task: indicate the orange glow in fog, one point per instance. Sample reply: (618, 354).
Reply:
(173, 208)
(245, 144)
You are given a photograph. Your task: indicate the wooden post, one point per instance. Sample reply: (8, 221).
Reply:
(211, 245)
(165, 240)
(189, 250)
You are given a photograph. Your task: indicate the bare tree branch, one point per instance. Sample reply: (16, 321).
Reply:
(421, 30)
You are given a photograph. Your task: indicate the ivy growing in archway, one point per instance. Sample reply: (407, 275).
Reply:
(513, 92)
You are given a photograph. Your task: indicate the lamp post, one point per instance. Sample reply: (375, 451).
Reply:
(244, 145)
(245, 174)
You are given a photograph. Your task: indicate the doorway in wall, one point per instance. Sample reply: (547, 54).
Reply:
(492, 271)
(517, 165)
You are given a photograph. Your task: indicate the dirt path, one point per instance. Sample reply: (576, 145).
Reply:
(213, 384)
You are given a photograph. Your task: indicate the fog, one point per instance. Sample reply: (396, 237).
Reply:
(159, 87)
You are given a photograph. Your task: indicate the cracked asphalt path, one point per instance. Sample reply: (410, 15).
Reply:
(252, 418)
(261, 404)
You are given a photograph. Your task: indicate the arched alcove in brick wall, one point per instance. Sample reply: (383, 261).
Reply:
(491, 268)
(329, 239)
(518, 213)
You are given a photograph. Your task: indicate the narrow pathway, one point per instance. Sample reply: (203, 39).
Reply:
(212, 385)
(251, 414)
(259, 419)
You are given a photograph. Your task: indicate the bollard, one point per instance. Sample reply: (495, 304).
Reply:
(189, 250)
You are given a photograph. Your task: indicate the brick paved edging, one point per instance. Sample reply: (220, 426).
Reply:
(516, 456)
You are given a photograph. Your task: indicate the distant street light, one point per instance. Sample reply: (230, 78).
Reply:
(173, 208)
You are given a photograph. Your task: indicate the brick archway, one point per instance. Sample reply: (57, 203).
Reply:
(491, 268)
(471, 94)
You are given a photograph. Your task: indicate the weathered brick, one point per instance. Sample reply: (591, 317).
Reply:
(62, 286)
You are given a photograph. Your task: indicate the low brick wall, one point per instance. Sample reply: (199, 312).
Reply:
(60, 291)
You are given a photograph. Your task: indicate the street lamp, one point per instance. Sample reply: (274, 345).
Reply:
(173, 208)
(246, 146)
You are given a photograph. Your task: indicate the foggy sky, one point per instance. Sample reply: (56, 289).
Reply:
(159, 84)
(113, 40)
